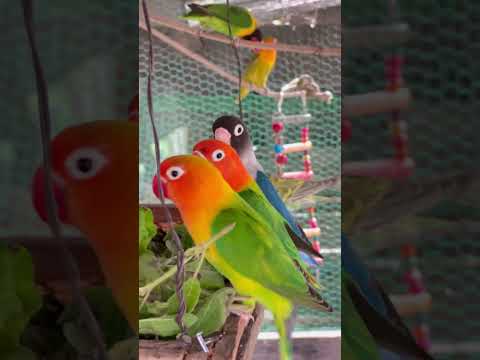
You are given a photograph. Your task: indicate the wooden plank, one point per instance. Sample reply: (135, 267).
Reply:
(376, 102)
(412, 304)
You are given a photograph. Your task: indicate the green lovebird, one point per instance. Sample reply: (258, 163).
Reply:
(251, 255)
(228, 162)
(215, 17)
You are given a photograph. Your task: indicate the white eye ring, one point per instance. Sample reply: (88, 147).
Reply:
(238, 130)
(85, 163)
(218, 155)
(175, 173)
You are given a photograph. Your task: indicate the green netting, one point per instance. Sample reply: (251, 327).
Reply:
(440, 70)
(94, 77)
(188, 98)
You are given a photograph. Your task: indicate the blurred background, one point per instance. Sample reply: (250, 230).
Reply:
(188, 98)
(435, 209)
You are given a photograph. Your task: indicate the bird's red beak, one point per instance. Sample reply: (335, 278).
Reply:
(155, 187)
(223, 135)
(40, 202)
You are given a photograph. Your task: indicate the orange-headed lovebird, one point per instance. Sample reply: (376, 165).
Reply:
(251, 255)
(226, 159)
(259, 69)
(95, 170)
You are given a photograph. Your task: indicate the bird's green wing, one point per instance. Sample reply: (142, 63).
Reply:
(215, 17)
(254, 251)
(357, 342)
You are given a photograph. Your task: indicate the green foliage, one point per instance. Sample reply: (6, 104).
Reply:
(147, 229)
(206, 297)
(20, 299)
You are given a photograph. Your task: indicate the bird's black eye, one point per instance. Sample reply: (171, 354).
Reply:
(218, 155)
(175, 172)
(84, 165)
(238, 130)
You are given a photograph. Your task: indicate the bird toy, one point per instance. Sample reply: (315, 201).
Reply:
(308, 87)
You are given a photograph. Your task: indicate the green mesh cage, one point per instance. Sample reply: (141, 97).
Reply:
(442, 127)
(94, 77)
(188, 98)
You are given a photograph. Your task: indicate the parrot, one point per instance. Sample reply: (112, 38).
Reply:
(232, 131)
(259, 68)
(251, 255)
(93, 165)
(376, 308)
(214, 16)
(225, 159)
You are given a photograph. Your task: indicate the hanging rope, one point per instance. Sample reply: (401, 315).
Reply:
(239, 64)
(180, 274)
(70, 265)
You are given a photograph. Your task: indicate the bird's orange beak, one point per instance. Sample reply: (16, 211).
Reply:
(39, 201)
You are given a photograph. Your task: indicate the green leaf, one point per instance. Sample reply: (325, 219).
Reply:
(183, 234)
(153, 309)
(164, 326)
(20, 353)
(147, 229)
(149, 268)
(191, 292)
(213, 313)
(19, 296)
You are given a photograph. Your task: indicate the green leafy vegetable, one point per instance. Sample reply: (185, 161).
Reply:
(147, 229)
(213, 313)
(191, 292)
(164, 326)
(19, 297)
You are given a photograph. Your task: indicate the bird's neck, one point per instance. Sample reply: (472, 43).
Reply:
(251, 163)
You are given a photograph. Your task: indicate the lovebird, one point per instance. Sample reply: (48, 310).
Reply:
(259, 68)
(95, 169)
(227, 161)
(251, 255)
(232, 131)
(215, 17)
(376, 309)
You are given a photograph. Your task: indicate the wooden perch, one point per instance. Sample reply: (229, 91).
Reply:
(388, 168)
(312, 232)
(375, 102)
(375, 36)
(409, 305)
(223, 73)
(198, 32)
(297, 147)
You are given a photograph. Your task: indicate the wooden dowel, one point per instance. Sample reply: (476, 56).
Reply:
(408, 305)
(297, 147)
(375, 36)
(388, 168)
(312, 232)
(375, 102)
(299, 49)
(298, 175)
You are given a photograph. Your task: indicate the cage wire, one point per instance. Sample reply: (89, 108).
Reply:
(188, 98)
(442, 134)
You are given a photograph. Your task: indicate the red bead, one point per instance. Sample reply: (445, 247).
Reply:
(316, 246)
(313, 223)
(277, 127)
(282, 159)
(304, 134)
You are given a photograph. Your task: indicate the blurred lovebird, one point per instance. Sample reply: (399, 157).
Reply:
(215, 17)
(93, 165)
(259, 68)
(232, 131)
(375, 309)
(252, 255)
(225, 159)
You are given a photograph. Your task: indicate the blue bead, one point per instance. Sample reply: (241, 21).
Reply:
(278, 148)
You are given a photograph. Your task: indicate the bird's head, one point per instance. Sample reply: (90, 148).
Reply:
(226, 160)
